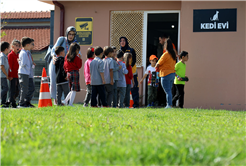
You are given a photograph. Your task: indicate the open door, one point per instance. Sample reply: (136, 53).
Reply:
(156, 24)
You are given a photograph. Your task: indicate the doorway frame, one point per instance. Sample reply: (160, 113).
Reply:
(145, 26)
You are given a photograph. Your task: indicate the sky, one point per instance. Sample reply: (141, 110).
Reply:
(21, 5)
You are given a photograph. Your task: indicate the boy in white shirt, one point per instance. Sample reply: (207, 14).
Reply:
(25, 73)
(152, 81)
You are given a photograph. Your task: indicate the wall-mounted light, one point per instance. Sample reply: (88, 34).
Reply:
(172, 26)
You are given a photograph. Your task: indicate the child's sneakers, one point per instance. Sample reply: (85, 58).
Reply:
(151, 105)
(5, 105)
(168, 107)
(63, 102)
(29, 104)
(85, 105)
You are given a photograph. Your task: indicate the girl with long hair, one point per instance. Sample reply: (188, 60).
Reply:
(166, 68)
(72, 64)
(65, 42)
(129, 77)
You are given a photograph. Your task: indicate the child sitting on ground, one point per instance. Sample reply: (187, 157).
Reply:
(61, 75)
(97, 78)
(152, 81)
(87, 75)
(72, 64)
(5, 49)
(180, 79)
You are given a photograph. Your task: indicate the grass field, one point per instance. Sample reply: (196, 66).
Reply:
(107, 136)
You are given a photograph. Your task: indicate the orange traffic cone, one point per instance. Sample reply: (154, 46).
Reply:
(44, 95)
(131, 101)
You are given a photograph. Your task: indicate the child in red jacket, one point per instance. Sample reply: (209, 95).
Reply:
(129, 77)
(72, 64)
(13, 72)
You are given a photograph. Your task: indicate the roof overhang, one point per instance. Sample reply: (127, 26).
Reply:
(47, 1)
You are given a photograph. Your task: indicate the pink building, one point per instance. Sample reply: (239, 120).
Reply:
(212, 32)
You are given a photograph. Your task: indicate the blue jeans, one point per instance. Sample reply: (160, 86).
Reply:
(167, 83)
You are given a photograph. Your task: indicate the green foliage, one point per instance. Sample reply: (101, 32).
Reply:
(3, 34)
(108, 136)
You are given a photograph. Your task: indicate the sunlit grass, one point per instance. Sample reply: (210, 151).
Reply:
(108, 136)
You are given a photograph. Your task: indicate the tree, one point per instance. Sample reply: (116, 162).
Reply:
(4, 23)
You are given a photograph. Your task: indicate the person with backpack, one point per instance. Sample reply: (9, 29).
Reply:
(65, 42)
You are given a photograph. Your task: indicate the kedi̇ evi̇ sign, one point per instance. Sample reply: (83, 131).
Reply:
(214, 20)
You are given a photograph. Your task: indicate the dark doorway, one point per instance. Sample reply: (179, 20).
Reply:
(158, 24)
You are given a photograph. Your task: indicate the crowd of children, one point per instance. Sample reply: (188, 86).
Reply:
(108, 80)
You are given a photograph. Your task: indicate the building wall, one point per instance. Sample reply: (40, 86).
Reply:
(216, 65)
(245, 51)
(100, 11)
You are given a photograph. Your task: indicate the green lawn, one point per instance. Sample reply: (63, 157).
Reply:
(107, 136)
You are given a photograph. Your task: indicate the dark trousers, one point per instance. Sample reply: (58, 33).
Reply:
(59, 90)
(115, 94)
(98, 89)
(135, 92)
(14, 90)
(27, 89)
(109, 93)
(88, 94)
(4, 89)
(152, 94)
(179, 95)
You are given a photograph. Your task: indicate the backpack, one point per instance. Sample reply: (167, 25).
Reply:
(48, 56)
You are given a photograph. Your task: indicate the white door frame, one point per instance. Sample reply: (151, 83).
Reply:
(145, 25)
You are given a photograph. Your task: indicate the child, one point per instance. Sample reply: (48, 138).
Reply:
(61, 76)
(25, 73)
(72, 64)
(97, 78)
(180, 79)
(121, 85)
(129, 77)
(117, 67)
(5, 49)
(90, 57)
(13, 72)
(108, 74)
(152, 81)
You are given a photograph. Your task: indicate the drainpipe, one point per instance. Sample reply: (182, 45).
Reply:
(62, 14)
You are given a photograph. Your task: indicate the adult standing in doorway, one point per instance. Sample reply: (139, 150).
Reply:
(162, 39)
(124, 47)
(65, 42)
(166, 68)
